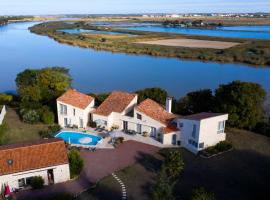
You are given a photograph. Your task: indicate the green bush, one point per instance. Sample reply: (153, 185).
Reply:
(3, 130)
(219, 147)
(47, 117)
(37, 182)
(30, 116)
(118, 141)
(50, 132)
(75, 162)
(5, 99)
(202, 194)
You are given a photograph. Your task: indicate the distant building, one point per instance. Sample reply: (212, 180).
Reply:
(45, 158)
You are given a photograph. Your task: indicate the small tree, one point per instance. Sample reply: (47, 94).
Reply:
(173, 164)
(37, 182)
(75, 162)
(202, 194)
(163, 189)
(47, 117)
(195, 102)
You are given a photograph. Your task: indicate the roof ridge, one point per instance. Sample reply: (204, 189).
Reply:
(29, 144)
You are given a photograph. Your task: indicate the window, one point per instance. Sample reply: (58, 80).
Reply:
(139, 116)
(21, 182)
(193, 143)
(74, 112)
(194, 131)
(201, 145)
(139, 128)
(181, 125)
(63, 109)
(221, 127)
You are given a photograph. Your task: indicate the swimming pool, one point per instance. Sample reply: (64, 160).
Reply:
(78, 138)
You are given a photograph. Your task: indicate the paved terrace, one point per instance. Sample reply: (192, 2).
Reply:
(97, 165)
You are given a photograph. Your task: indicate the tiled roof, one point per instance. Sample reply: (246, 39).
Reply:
(169, 129)
(201, 116)
(155, 111)
(116, 102)
(29, 156)
(76, 99)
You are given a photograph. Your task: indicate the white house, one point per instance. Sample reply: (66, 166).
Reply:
(2, 113)
(120, 111)
(45, 158)
(73, 109)
(202, 130)
(118, 104)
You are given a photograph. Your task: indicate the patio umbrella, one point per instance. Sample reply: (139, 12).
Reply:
(7, 192)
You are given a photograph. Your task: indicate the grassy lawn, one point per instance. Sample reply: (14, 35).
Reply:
(19, 131)
(240, 174)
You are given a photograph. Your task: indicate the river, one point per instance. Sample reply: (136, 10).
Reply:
(101, 71)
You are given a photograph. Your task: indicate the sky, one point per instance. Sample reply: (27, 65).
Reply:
(44, 7)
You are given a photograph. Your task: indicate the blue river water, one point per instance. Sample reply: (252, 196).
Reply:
(77, 31)
(101, 71)
(247, 32)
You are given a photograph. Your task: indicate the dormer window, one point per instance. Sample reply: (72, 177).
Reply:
(139, 116)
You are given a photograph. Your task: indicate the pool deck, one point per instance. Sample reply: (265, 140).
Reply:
(105, 143)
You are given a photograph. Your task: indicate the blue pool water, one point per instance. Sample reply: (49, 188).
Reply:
(230, 32)
(77, 138)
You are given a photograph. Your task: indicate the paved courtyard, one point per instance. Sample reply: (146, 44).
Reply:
(97, 165)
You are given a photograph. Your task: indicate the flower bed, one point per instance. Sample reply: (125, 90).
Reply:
(219, 148)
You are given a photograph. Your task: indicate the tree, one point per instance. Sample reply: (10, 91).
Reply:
(173, 164)
(202, 194)
(163, 188)
(42, 85)
(157, 94)
(5, 99)
(47, 117)
(243, 101)
(195, 102)
(75, 162)
(99, 98)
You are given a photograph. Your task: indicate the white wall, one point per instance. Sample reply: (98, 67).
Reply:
(186, 133)
(61, 174)
(206, 132)
(2, 114)
(168, 138)
(79, 114)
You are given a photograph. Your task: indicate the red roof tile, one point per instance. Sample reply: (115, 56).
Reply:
(116, 102)
(30, 156)
(76, 99)
(169, 129)
(155, 111)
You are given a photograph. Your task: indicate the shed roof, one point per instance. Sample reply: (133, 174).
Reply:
(22, 157)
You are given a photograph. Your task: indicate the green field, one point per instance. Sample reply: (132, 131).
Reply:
(18, 131)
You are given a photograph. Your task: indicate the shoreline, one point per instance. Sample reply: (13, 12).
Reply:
(129, 45)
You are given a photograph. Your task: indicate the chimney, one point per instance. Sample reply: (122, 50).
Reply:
(169, 104)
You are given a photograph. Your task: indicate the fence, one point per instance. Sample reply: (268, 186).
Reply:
(2, 114)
